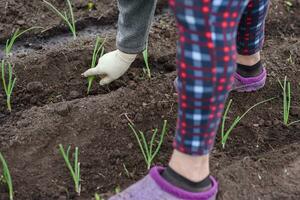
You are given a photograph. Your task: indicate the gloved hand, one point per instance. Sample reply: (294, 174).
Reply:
(111, 66)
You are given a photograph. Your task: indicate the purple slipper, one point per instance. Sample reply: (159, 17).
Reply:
(154, 187)
(242, 84)
(250, 84)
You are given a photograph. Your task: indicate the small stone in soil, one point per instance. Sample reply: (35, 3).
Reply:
(268, 123)
(34, 100)
(130, 145)
(34, 86)
(74, 94)
(21, 22)
(62, 109)
(261, 122)
(276, 122)
(138, 117)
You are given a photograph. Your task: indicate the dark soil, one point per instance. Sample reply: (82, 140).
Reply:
(50, 106)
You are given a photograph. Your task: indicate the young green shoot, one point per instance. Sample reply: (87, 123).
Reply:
(97, 197)
(10, 42)
(74, 170)
(225, 134)
(147, 148)
(6, 177)
(98, 52)
(147, 70)
(8, 87)
(286, 91)
(67, 17)
(118, 189)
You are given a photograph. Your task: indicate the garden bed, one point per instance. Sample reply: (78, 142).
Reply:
(50, 106)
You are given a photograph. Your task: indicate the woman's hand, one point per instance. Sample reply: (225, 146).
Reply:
(111, 66)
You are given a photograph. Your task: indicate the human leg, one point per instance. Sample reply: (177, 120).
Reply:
(250, 74)
(134, 22)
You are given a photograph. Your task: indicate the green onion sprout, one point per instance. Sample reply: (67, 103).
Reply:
(10, 42)
(6, 177)
(8, 87)
(286, 91)
(225, 134)
(98, 52)
(74, 170)
(67, 17)
(147, 148)
(147, 70)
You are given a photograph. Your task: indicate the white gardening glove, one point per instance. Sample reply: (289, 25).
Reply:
(111, 66)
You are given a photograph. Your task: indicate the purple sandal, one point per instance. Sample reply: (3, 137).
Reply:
(242, 84)
(250, 84)
(154, 187)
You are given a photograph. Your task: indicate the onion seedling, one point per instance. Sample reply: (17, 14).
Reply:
(10, 42)
(68, 18)
(118, 189)
(97, 197)
(147, 70)
(147, 148)
(8, 87)
(6, 177)
(286, 90)
(74, 170)
(98, 52)
(225, 134)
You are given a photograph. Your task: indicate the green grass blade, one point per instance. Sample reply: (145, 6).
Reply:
(145, 55)
(257, 104)
(8, 100)
(284, 101)
(237, 120)
(142, 135)
(72, 17)
(12, 86)
(10, 42)
(77, 171)
(7, 177)
(3, 77)
(68, 152)
(280, 84)
(64, 17)
(139, 142)
(55, 10)
(224, 119)
(288, 101)
(6, 46)
(29, 29)
(9, 78)
(152, 140)
(226, 135)
(98, 47)
(102, 52)
(8, 87)
(163, 132)
(67, 161)
(97, 197)
(8, 103)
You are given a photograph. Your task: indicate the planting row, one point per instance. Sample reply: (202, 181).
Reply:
(150, 149)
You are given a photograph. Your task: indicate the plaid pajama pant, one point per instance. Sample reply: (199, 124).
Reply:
(211, 32)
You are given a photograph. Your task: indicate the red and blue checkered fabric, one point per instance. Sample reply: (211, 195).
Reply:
(250, 35)
(206, 60)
